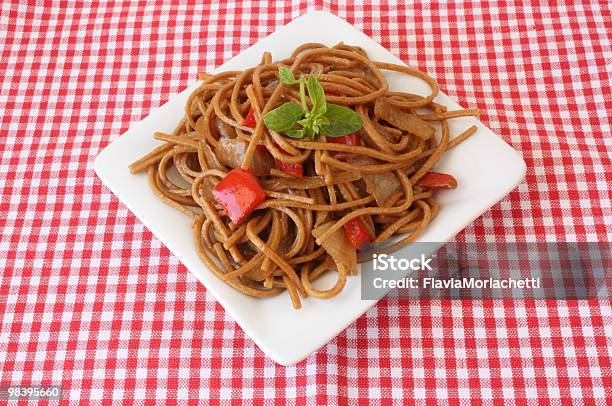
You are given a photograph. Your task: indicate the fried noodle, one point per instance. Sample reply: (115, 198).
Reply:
(294, 236)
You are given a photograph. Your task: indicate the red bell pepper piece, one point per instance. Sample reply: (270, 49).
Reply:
(350, 139)
(356, 233)
(296, 170)
(238, 194)
(292, 169)
(437, 180)
(249, 120)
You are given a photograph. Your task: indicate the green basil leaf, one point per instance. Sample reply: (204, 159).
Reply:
(303, 95)
(286, 75)
(284, 117)
(342, 121)
(309, 132)
(294, 133)
(317, 96)
(321, 120)
(305, 122)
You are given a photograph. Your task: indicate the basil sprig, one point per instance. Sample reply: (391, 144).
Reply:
(296, 121)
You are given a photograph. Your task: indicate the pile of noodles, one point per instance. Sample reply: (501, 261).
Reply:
(275, 248)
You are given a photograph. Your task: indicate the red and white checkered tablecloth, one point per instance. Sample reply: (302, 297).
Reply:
(89, 299)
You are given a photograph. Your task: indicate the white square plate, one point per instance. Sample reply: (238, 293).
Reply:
(492, 169)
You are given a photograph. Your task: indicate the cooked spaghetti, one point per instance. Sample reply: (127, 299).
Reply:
(273, 212)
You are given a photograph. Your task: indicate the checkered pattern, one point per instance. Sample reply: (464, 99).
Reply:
(90, 299)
